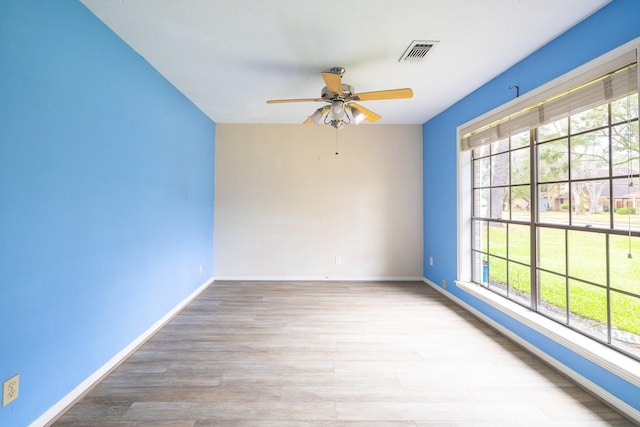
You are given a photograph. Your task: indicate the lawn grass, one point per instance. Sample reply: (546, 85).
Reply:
(587, 261)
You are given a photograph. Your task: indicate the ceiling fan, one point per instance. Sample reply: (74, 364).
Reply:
(342, 108)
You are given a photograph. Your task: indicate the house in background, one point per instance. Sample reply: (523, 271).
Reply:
(121, 199)
(624, 196)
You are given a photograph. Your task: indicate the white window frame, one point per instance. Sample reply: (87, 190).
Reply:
(610, 359)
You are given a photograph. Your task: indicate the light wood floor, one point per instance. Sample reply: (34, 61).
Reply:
(311, 354)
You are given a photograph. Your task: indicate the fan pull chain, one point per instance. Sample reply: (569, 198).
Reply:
(336, 141)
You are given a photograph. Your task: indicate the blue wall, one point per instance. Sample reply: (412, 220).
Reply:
(106, 199)
(612, 26)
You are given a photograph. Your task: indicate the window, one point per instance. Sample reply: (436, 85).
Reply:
(554, 202)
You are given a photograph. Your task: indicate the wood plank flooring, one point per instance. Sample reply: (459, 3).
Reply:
(319, 354)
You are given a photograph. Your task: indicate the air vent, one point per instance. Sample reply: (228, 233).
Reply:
(417, 51)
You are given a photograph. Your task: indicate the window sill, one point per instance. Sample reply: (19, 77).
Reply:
(617, 363)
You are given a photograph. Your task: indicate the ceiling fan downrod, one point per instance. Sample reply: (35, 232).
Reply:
(337, 70)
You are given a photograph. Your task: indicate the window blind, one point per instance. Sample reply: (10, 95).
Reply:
(609, 81)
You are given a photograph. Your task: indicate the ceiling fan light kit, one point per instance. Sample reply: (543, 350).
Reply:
(357, 115)
(316, 117)
(340, 97)
(337, 110)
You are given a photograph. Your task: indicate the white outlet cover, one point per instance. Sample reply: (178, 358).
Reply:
(10, 389)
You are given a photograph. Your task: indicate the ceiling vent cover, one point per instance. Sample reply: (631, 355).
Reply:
(417, 51)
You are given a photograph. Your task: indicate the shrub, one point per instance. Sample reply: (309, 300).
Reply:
(626, 211)
(565, 206)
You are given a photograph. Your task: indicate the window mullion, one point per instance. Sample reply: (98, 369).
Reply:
(566, 276)
(609, 332)
(611, 224)
(473, 215)
(533, 210)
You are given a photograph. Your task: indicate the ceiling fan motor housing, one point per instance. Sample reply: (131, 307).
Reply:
(347, 91)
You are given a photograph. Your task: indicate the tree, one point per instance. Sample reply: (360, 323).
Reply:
(499, 177)
(553, 156)
(590, 152)
(521, 176)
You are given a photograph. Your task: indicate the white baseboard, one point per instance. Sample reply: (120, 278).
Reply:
(603, 394)
(319, 278)
(63, 404)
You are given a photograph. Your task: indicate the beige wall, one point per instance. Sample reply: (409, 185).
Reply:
(286, 205)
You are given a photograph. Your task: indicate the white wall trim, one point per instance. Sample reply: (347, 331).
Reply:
(319, 278)
(57, 410)
(605, 395)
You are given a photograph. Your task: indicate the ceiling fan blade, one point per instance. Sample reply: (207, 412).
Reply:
(307, 122)
(383, 94)
(333, 82)
(282, 101)
(370, 116)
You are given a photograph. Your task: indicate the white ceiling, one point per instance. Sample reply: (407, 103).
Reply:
(230, 56)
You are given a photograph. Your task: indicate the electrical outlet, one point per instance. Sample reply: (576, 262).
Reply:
(200, 269)
(338, 260)
(444, 284)
(431, 261)
(10, 390)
